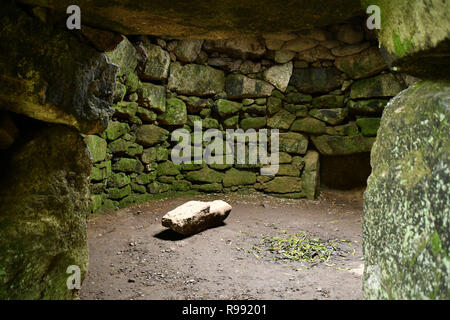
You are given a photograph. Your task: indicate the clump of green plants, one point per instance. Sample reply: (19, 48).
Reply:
(297, 247)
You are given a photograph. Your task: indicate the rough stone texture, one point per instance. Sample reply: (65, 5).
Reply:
(308, 125)
(175, 114)
(281, 120)
(406, 211)
(367, 107)
(205, 175)
(299, 44)
(311, 174)
(295, 143)
(124, 57)
(194, 79)
(138, 140)
(331, 116)
(49, 75)
(188, 50)
(196, 216)
(124, 147)
(283, 56)
(195, 19)
(342, 145)
(234, 177)
(283, 185)
(350, 49)
(153, 97)
(362, 65)
(244, 48)
(315, 54)
(290, 170)
(155, 62)
(167, 168)
(128, 165)
(102, 40)
(416, 36)
(315, 80)
(279, 75)
(97, 147)
(43, 228)
(240, 86)
(116, 129)
(369, 126)
(226, 108)
(149, 135)
(253, 123)
(385, 85)
(328, 101)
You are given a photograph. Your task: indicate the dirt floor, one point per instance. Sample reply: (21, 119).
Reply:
(133, 257)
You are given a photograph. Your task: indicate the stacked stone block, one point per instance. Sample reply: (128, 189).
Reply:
(323, 89)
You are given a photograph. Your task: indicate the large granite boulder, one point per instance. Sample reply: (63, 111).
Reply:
(49, 75)
(196, 216)
(43, 218)
(406, 208)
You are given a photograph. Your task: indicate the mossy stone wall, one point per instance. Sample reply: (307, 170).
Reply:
(311, 85)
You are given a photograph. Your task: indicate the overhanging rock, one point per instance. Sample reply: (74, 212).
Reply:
(206, 19)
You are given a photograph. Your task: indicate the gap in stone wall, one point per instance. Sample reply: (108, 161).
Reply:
(345, 172)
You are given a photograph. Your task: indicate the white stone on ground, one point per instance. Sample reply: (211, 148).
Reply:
(195, 216)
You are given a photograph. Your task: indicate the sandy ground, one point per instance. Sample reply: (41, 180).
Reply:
(133, 257)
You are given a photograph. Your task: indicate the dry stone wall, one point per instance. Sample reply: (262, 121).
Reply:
(323, 89)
